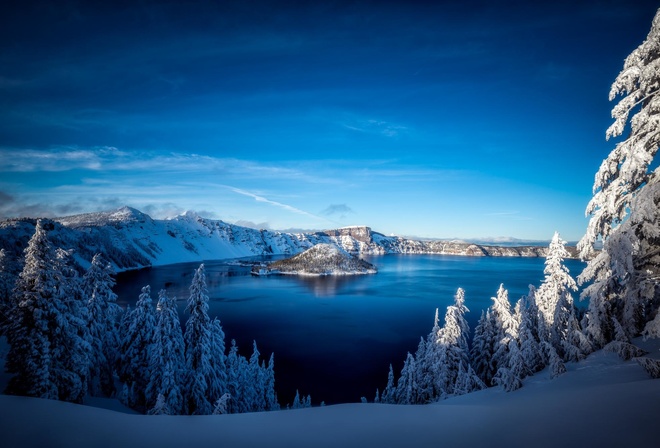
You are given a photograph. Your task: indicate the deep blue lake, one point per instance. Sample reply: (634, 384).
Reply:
(334, 337)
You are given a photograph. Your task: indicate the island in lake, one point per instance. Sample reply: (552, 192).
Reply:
(321, 259)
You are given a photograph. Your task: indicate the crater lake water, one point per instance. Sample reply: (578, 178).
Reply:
(334, 337)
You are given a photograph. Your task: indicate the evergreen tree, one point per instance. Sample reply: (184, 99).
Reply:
(71, 343)
(625, 208)
(137, 343)
(234, 377)
(198, 340)
(269, 386)
(222, 405)
(7, 281)
(529, 345)
(505, 328)
(161, 407)
(423, 376)
(483, 345)
(167, 356)
(555, 362)
(454, 336)
(297, 403)
(406, 388)
(389, 394)
(218, 378)
(554, 297)
(48, 344)
(103, 325)
(256, 396)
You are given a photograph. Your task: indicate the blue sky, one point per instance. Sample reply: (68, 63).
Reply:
(459, 119)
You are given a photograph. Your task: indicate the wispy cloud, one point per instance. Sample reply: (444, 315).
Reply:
(286, 207)
(371, 126)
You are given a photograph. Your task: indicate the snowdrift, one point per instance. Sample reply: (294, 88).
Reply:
(602, 401)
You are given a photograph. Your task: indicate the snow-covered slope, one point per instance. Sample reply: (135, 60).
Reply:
(600, 402)
(323, 259)
(132, 239)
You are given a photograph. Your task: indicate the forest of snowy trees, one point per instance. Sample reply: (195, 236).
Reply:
(543, 329)
(68, 339)
(622, 280)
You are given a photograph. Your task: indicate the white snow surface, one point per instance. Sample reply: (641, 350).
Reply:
(602, 402)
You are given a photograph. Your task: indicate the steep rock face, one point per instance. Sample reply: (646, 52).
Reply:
(131, 239)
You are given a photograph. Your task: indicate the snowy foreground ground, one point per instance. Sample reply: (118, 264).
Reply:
(600, 402)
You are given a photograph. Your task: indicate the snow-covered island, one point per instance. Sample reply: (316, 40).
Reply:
(320, 259)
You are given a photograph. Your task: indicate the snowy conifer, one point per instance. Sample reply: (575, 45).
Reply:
(222, 404)
(297, 404)
(555, 362)
(7, 281)
(234, 386)
(218, 378)
(389, 394)
(406, 388)
(553, 297)
(529, 346)
(161, 407)
(505, 328)
(269, 385)
(103, 325)
(167, 361)
(482, 350)
(198, 341)
(625, 208)
(137, 343)
(453, 338)
(46, 331)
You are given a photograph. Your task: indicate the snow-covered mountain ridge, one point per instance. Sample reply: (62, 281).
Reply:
(132, 239)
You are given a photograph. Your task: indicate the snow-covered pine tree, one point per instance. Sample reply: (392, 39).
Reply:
(256, 379)
(529, 345)
(137, 342)
(406, 388)
(482, 349)
(576, 346)
(297, 404)
(234, 378)
(7, 281)
(505, 328)
(555, 362)
(198, 340)
(553, 297)
(160, 408)
(510, 376)
(103, 324)
(71, 343)
(48, 345)
(222, 404)
(454, 337)
(389, 394)
(269, 385)
(218, 381)
(423, 375)
(247, 386)
(625, 208)
(167, 361)
(427, 363)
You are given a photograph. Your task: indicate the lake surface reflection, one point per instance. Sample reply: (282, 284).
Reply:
(334, 337)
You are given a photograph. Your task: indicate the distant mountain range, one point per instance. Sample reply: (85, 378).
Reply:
(131, 239)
